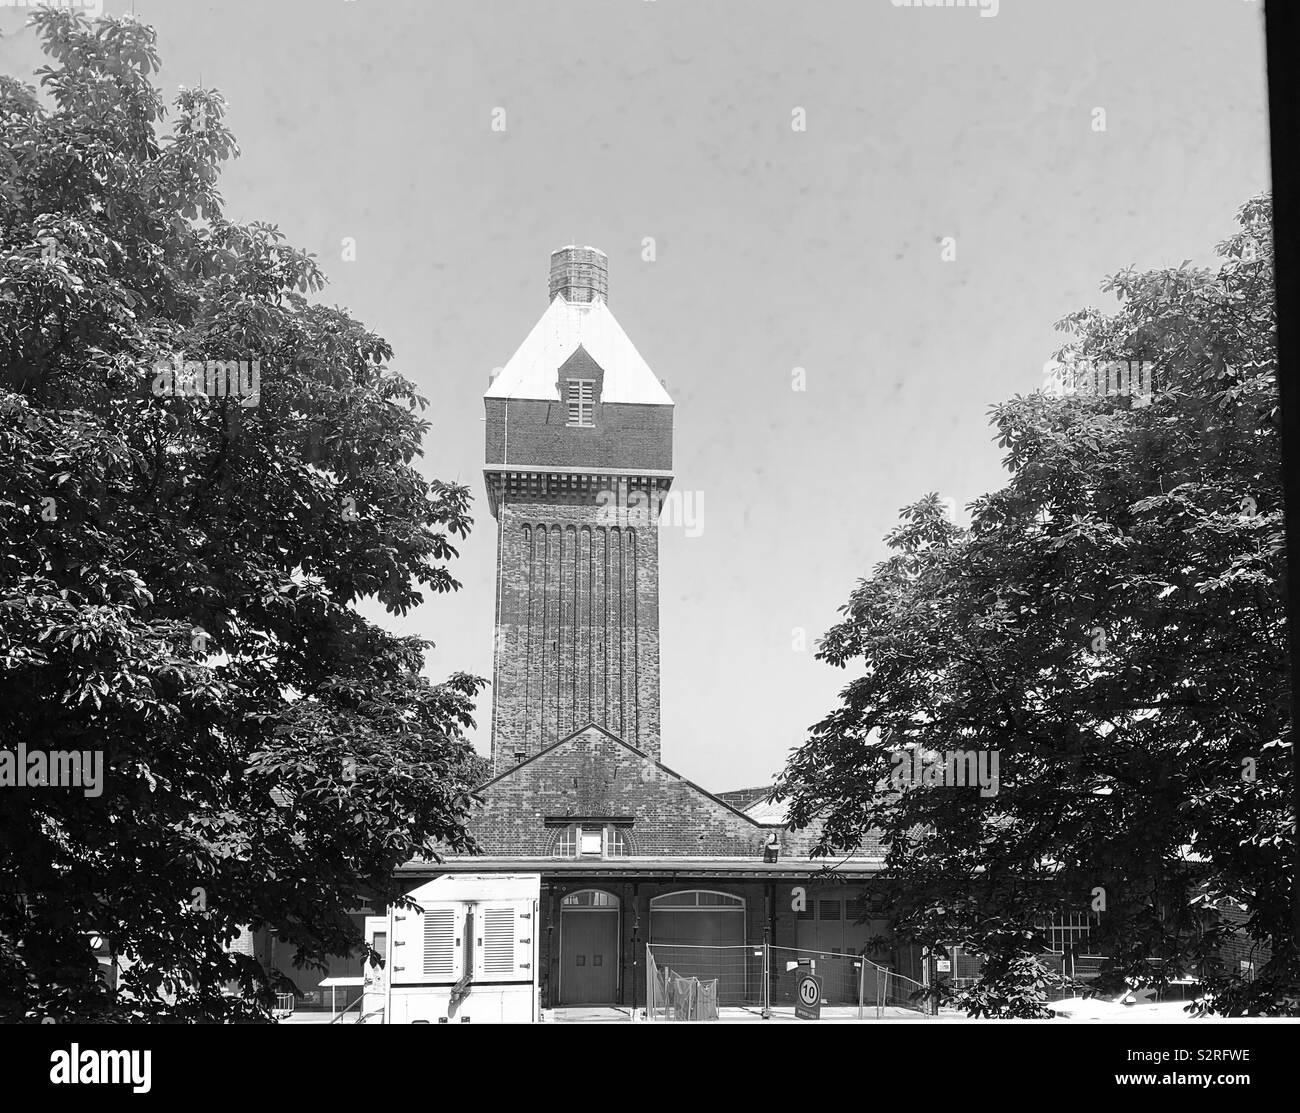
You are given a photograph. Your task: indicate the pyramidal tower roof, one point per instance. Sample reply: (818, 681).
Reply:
(578, 318)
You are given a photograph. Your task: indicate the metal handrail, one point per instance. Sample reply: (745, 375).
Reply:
(355, 1004)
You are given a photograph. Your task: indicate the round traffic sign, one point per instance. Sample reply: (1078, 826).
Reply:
(809, 991)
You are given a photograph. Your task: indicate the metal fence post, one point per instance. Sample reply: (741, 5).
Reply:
(767, 981)
(862, 982)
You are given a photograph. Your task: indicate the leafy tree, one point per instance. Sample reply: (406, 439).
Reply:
(179, 571)
(1111, 625)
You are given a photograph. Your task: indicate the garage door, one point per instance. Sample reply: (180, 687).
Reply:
(589, 948)
(700, 933)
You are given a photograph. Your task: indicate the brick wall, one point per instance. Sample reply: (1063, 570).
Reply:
(577, 624)
(536, 433)
(595, 775)
(1240, 948)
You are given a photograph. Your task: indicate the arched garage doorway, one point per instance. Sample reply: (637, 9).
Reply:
(701, 933)
(589, 948)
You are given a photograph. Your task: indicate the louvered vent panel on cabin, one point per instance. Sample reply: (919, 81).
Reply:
(499, 941)
(828, 910)
(440, 943)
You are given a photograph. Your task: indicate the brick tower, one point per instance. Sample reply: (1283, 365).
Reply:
(578, 457)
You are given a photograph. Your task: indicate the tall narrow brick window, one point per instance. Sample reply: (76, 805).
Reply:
(581, 398)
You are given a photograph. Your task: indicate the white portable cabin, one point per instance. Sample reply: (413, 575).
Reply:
(471, 955)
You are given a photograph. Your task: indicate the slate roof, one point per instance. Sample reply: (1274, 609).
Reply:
(566, 326)
(742, 798)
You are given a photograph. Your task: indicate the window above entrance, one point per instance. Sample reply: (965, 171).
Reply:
(697, 898)
(586, 840)
(590, 898)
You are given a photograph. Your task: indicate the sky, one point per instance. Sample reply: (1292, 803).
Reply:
(949, 196)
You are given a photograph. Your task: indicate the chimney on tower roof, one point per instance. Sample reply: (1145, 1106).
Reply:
(579, 274)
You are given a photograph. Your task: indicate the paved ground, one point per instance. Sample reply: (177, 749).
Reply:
(1164, 1013)
(1069, 1012)
(597, 1015)
(736, 1015)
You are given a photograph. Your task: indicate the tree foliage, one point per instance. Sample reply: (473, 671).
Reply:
(1111, 624)
(179, 574)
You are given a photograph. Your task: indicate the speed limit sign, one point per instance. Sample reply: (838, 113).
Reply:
(808, 997)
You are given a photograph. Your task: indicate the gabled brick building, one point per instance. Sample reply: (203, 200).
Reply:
(578, 460)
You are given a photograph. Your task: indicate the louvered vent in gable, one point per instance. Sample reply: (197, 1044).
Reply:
(581, 399)
(440, 943)
(499, 941)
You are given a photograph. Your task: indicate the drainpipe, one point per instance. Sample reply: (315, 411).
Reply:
(550, 927)
(636, 927)
(496, 634)
(769, 934)
(388, 970)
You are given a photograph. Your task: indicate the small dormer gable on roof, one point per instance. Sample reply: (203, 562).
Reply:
(567, 325)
